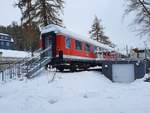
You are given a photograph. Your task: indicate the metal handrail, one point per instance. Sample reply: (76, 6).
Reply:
(26, 64)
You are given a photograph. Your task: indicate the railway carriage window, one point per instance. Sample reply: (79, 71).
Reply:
(6, 38)
(68, 42)
(7, 43)
(87, 46)
(95, 49)
(2, 43)
(1, 37)
(78, 45)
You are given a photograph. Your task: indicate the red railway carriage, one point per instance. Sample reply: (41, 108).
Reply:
(73, 48)
(69, 50)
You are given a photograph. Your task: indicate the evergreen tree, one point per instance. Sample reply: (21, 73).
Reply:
(35, 13)
(50, 11)
(97, 30)
(31, 35)
(26, 8)
(41, 11)
(20, 35)
(97, 33)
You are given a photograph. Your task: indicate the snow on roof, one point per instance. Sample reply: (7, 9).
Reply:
(11, 39)
(58, 29)
(14, 53)
(4, 34)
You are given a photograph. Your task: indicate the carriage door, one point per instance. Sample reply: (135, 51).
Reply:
(48, 44)
(49, 41)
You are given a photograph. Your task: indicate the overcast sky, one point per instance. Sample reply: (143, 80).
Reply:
(79, 15)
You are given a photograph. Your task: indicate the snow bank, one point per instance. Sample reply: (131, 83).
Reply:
(14, 53)
(79, 92)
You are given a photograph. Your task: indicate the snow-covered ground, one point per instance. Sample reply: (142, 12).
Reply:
(79, 92)
(14, 53)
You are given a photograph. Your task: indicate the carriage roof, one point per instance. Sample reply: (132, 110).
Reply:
(64, 31)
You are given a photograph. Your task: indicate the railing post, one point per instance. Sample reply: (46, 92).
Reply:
(2, 75)
(10, 71)
(18, 70)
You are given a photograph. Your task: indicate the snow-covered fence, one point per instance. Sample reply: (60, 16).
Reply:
(10, 71)
(25, 67)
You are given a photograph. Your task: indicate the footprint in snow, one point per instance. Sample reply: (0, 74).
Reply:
(60, 77)
(53, 101)
(90, 95)
(85, 96)
(110, 97)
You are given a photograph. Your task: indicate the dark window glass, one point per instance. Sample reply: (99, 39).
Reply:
(68, 42)
(78, 45)
(6, 38)
(2, 43)
(95, 48)
(7, 43)
(2, 37)
(87, 47)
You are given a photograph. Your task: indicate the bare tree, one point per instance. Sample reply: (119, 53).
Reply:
(142, 10)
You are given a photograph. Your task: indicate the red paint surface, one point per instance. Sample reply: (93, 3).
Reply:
(60, 45)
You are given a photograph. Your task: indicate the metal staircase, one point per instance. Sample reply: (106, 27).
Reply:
(31, 67)
(25, 67)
